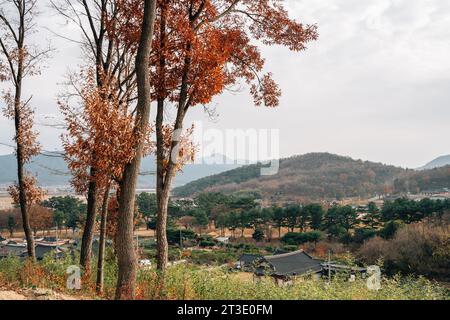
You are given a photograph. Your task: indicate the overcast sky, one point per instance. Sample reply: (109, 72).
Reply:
(375, 86)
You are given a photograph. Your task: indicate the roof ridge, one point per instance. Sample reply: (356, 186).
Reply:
(288, 254)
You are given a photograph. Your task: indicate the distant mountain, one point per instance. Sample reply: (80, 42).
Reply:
(311, 176)
(53, 172)
(437, 163)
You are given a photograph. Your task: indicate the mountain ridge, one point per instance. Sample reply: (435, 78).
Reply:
(53, 172)
(441, 161)
(312, 176)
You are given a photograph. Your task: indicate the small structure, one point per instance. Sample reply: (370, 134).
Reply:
(284, 267)
(44, 249)
(224, 240)
(12, 248)
(248, 262)
(334, 268)
(51, 241)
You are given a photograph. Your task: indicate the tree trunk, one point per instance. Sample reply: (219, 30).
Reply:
(23, 202)
(88, 232)
(101, 246)
(126, 255)
(162, 192)
(162, 247)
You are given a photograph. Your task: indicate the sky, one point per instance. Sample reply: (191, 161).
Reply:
(375, 86)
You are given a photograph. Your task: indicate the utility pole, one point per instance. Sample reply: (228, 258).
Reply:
(329, 267)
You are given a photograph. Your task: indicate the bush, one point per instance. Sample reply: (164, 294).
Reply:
(419, 248)
(173, 235)
(288, 248)
(390, 229)
(151, 225)
(297, 238)
(206, 243)
(363, 234)
(188, 282)
(258, 235)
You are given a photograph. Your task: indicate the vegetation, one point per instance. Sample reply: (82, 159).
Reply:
(318, 176)
(191, 282)
(419, 248)
(312, 176)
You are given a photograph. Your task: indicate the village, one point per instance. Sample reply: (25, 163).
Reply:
(246, 253)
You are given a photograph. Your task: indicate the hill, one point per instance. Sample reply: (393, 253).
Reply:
(423, 180)
(53, 172)
(312, 176)
(437, 163)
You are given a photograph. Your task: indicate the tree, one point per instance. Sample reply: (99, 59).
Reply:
(292, 215)
(41, 218)
(279, 219)
(348, 217)
(201, 48)
(372, 218)
(187, 221)
(11, 225)
(18, 60)
(146, 203)
(258, 235)
(126, 255)
(201, 219)
(233, 222)
(101, 134)
(209, 201)
(303, 218)
(316, 213)
(68, 211)
(339, 220)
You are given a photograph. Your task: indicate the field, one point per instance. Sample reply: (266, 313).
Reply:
(5, 202)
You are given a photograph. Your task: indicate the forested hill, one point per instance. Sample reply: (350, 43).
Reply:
(311, 176)
(317, 176)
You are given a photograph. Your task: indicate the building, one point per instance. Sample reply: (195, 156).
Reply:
(248, 262)
(284, 267)
(42, 250)
(12, 249)
(224, 240)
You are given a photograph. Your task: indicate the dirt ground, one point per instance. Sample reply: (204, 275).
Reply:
(34, 294)
(5, 202)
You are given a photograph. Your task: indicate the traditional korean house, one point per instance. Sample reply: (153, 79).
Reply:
(43, 249)
(284, 267)
(248, 262)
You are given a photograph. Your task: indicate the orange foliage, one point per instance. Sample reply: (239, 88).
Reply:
(216, 37)
(100, 136)
(33, 192)
(202, 47)
(41, 218)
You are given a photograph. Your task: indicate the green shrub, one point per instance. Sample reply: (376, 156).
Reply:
(258, 235)
(206, 243)
(363, 234)
(390, 228)
(289, 248)
(173, 235)
(297, 238)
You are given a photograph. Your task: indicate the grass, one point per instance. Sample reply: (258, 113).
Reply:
(192, 282)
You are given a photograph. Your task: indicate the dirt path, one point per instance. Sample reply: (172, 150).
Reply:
(11, 295)
(34, 294)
